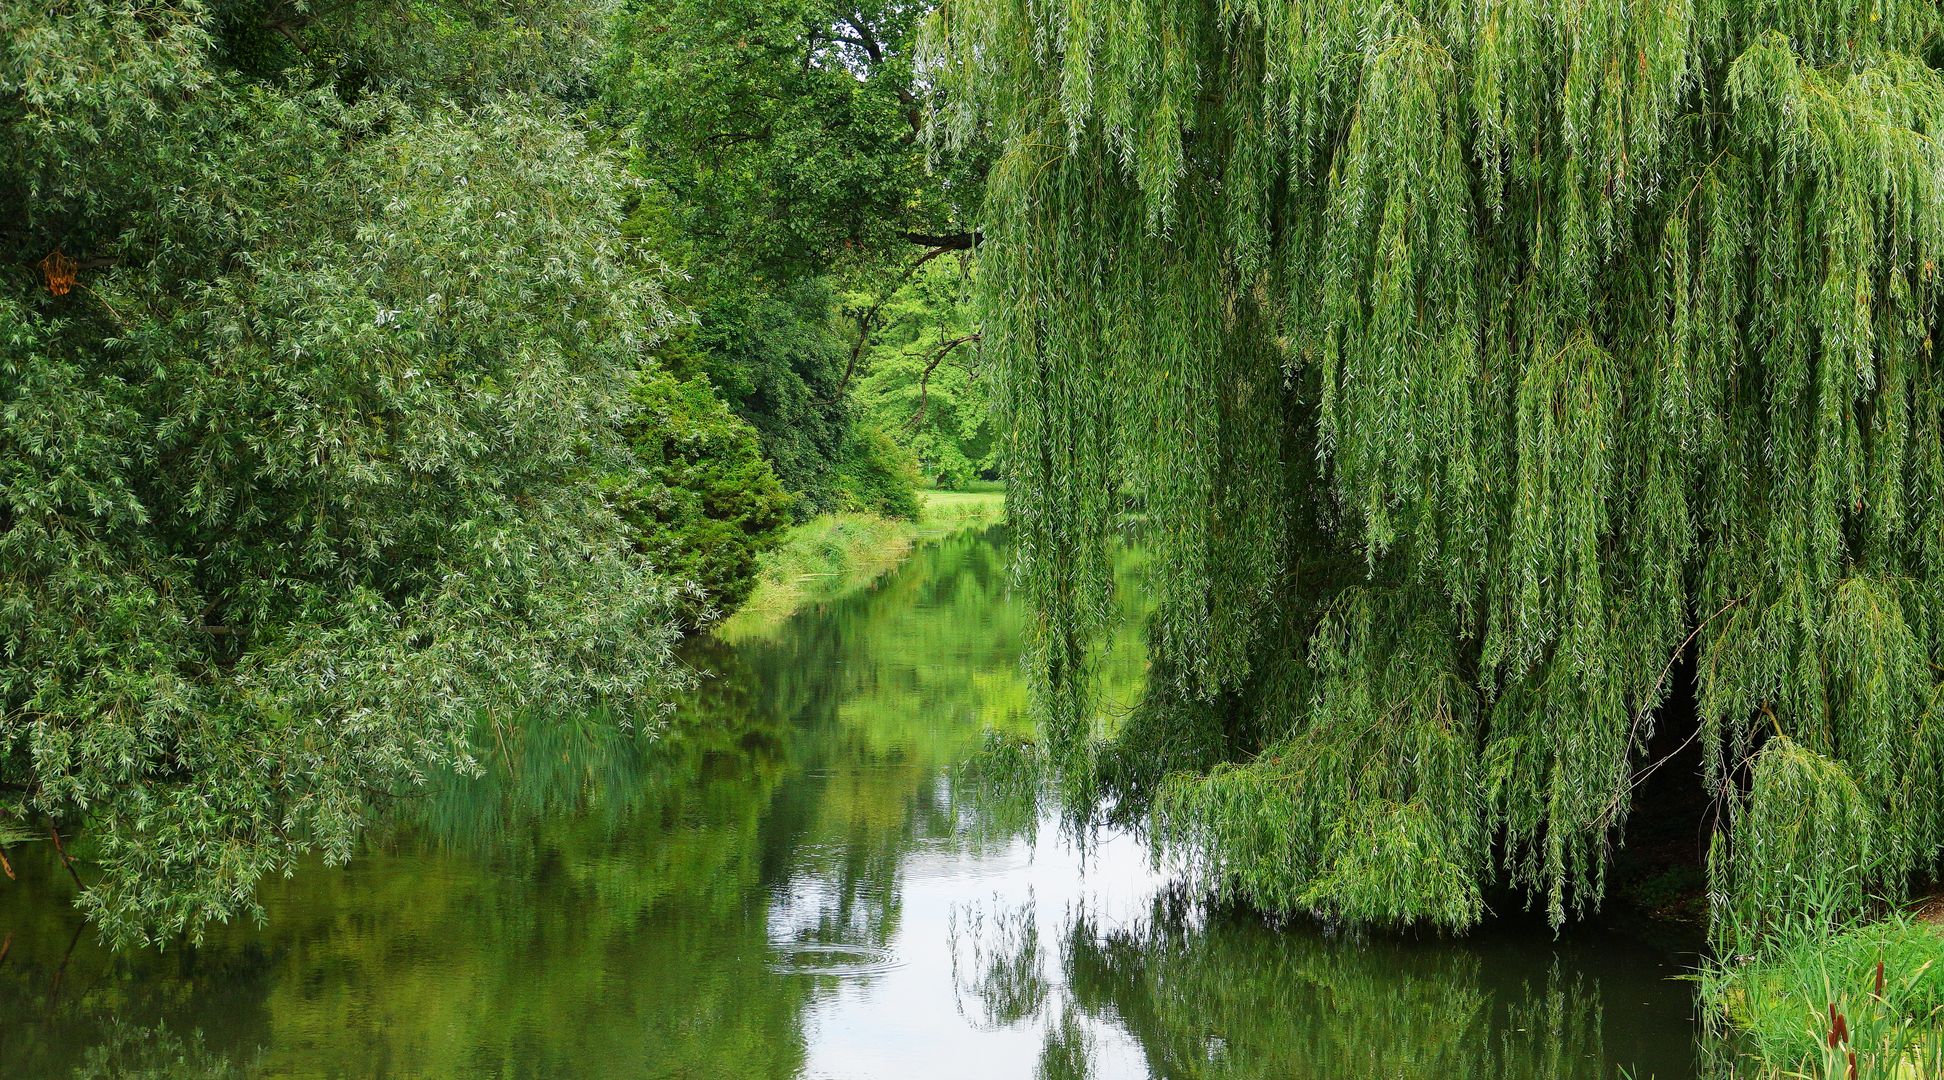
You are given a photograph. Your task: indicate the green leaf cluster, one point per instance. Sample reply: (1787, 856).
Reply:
(1463, 364)
(302, 475)
(700, 499)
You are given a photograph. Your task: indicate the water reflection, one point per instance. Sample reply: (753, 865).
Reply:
(796, 880)
(1220, 994)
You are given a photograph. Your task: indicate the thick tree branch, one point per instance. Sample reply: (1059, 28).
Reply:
(864, 39)
(869, 43)
(924, 379)
(292, 20)
(290, 35)
(868, 320)
(959, 241)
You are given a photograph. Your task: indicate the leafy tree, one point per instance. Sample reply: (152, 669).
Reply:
(1464, 365)
(878, 475)
(459, 51)
(775, 353)
(782, 145)
(925, 383)
(702, 501)
(310, 362)
(787, 132)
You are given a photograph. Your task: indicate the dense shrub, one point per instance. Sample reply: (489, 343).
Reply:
(298, 449)
(699, 497)
(876, 475)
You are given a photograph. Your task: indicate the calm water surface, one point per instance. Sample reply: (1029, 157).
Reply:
(798, 881)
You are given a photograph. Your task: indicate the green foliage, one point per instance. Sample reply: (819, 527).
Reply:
(926, 382)
(1572, 335)
(877, 475)
(461, 51)
(780, 145)
(776, 357)
(301, 475)
(1776, 1014)
(698, 497)
(783, 131)
(1319, 822)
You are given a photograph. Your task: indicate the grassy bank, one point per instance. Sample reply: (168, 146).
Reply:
(837, 554)
(1863, 1003)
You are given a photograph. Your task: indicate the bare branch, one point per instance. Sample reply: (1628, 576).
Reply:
(66, 859)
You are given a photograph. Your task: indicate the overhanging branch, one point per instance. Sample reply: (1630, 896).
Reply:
(924, 378)
(959, 241)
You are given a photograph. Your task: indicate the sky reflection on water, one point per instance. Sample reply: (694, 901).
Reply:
(790, 882)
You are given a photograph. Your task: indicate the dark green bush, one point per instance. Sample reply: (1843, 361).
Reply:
(700, 499)
(876, 475)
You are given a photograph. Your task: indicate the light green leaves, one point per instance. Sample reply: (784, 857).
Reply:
(1587, 333)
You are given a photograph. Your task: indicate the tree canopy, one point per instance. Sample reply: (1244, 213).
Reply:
(319, 326)
(785, 132)
(786, 175)
(1464, 364)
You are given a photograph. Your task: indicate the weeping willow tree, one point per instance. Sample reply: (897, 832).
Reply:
(1464, 364)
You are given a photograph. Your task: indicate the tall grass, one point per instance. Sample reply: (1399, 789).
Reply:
(1859, 1004)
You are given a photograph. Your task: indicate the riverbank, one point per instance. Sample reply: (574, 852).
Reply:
(833, 555)
(1861, 1003)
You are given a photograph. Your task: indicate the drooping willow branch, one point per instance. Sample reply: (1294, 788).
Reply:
(1452, 360)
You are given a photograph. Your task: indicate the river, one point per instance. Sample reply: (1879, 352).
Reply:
(797, 879)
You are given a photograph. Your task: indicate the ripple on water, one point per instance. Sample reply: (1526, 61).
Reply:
(835, 959)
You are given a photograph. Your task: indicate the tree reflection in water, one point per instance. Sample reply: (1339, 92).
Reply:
(1237, 1003)
(1214, 993)
(799, 876)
